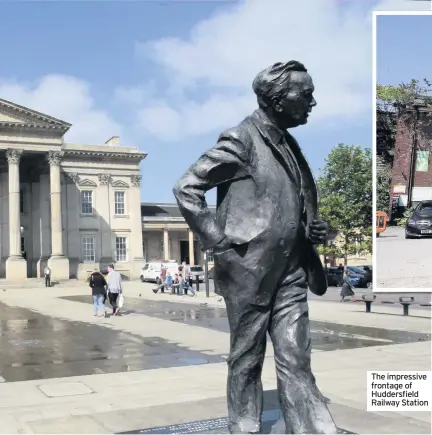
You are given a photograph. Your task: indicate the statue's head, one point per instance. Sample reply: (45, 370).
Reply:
(285, 91)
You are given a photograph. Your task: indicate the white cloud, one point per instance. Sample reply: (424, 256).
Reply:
(134, 95)
(223, 54)
(66, 98)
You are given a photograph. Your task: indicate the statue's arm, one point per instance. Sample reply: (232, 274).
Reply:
(226, 162)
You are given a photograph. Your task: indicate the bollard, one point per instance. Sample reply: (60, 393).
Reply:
(406, 302)
(197, 283)
(368, 300)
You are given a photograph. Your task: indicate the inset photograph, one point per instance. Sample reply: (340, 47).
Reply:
(403, 153)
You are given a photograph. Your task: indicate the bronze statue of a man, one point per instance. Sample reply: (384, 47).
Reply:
(263, 238)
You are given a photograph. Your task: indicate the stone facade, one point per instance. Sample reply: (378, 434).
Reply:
(74, 207)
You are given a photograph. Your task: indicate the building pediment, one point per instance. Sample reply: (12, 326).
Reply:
(14, 116)
(119, 183)
(87, 183)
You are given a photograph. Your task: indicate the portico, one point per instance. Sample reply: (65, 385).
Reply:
(22, 165)
(74, 207)
(167, 235)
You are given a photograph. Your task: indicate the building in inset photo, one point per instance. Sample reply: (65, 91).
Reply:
(403, 151)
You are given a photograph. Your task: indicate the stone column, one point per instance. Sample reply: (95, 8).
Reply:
(136, 226)
(191, 249)
(16, 266)
(166, 244)
(58, 262)
(104, 215)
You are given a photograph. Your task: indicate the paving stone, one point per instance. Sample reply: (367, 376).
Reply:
(80, 424)
(65, 389)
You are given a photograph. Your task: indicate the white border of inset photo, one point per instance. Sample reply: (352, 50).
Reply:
(375, 14)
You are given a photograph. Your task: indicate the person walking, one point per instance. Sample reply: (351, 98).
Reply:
(180, 284)
(98, 286)
(188, 287)
(164, 271)
(347, 287)
(47, 275)
(114, 287)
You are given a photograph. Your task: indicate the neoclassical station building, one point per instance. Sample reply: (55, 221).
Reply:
(71, 206)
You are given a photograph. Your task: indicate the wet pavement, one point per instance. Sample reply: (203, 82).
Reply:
(325, 336)
(34, 346)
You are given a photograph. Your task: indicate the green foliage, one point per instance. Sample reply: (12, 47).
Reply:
(403, 94)
(383, 175)
(401, 222)
(345, 187)
(391, 103)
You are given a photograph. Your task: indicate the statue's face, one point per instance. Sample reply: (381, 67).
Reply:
(295, 106)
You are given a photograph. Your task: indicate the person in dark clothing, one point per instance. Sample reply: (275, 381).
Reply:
(98, 286)
(347, 287)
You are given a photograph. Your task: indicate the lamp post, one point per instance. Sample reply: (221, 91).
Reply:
(207, 285)
(413, 161)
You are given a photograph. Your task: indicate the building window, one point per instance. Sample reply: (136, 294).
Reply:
(210, 258)
(22, 244)
(119, 203)
(121, 249)
(86, 202)
(21, 201)
(88, 249)
(162, 250)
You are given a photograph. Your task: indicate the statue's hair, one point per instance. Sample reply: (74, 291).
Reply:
(274, 81)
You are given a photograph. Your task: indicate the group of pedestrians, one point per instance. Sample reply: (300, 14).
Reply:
(111, 288)
(179, 284)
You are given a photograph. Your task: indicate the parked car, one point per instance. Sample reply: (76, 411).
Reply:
(419, 224)
(369, 274)
(364, 278)
(197, 271)
(151, 272)
(335, 276)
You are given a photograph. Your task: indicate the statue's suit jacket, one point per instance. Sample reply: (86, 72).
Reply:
(263, 209)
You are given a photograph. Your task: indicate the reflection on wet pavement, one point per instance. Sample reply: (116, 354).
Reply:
(34, 346)
(325, 336)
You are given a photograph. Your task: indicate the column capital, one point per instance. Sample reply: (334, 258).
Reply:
(55, 157)
(104, 179)
(136, 180)
(72, 177)
(13, 155)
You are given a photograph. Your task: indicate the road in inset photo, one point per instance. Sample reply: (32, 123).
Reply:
(403, 263)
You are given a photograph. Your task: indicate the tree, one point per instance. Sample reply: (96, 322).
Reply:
(345, 188)
(393, 102)
(383, 176)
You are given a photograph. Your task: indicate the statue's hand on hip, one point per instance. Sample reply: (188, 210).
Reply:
(318, 231)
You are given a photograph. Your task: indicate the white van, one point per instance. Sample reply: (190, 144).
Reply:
(152, 271)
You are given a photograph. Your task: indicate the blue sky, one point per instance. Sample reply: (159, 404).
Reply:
(403, 47)
(169, 76)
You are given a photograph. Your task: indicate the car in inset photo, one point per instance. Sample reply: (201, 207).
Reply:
(419, 224)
